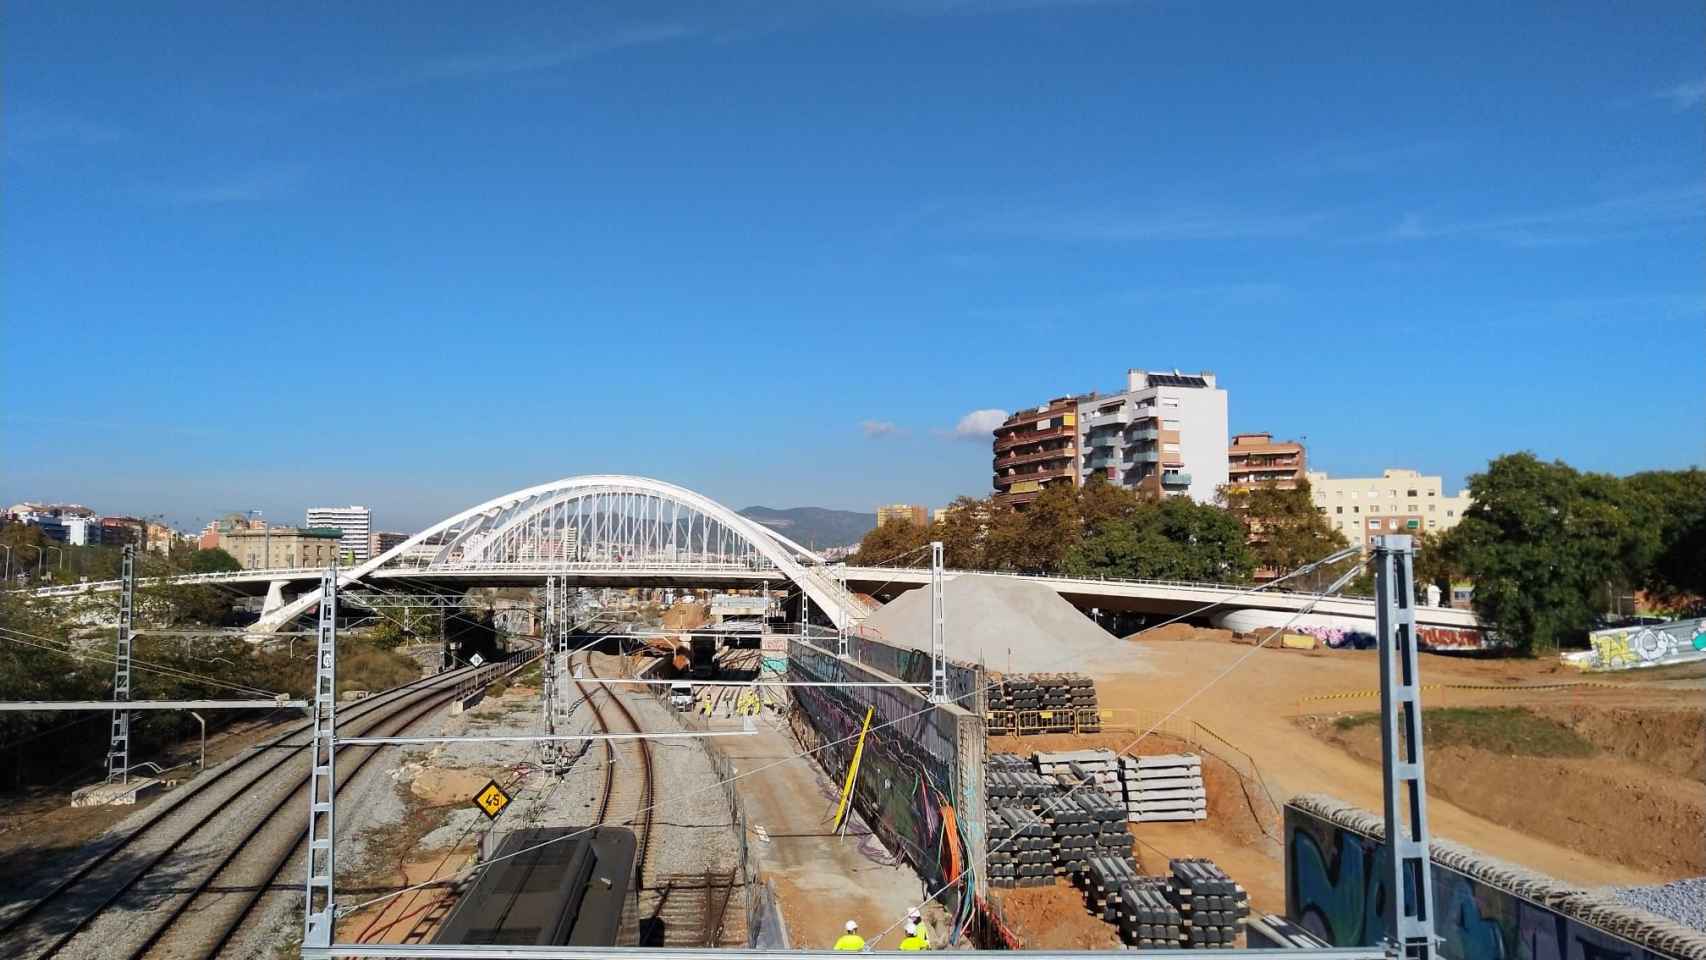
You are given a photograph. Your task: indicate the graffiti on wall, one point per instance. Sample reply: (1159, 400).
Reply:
(1654, 645)
(1337, 888)
(1427, 638)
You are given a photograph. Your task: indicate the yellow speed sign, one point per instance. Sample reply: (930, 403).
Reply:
(491, 799)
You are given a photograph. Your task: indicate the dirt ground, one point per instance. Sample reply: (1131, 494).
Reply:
(1629, 811)
(1255, 706)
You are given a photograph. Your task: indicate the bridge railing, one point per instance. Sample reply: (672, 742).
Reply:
(585, 566)
(1122, 581)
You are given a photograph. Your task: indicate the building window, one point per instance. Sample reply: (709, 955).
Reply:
(1373, 524)
(1353, 494)
(1169, 401)
(1413, 506)
(1431, 507)
(1356, 509)
(1391, 524)
(1412, 493)
(1169, 424)
(1433, 523)
(1451, 513)
(1430, 493)
(1374, 508)
(1338, 509)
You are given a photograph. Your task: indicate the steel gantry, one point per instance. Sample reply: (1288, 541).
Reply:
(1406, 801)
(318, 917)
(118, 751)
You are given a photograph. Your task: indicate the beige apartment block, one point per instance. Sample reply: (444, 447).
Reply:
(1397, 501)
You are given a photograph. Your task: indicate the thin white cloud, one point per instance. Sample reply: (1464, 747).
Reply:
(1191, 222)
(30, 129)
(253, 185)
(534, 59)
(1685, 96)
(1605, 219)
(979, 424)
(879, 428)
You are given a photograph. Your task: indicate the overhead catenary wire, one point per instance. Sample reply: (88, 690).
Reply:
(18, 636)
(344, 911)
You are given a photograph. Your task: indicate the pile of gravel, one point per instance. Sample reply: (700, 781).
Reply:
(1008, 625)
(1683, 901)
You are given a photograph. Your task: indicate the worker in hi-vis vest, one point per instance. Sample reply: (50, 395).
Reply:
(917, 920)
(851, 939)
(913, 941)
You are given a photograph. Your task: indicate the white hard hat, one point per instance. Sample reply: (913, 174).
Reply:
(911, 928)
(852, 925)
(913, 913)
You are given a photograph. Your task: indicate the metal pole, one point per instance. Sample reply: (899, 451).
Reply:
(1411, 928)
(938, 641)
(201, 762)
(118, 750)
(318, 909)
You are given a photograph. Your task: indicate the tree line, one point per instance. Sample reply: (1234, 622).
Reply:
(1545, 546)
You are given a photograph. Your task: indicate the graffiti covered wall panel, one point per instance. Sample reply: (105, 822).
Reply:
(1337, 888)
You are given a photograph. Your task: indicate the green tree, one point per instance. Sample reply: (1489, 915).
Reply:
(1036, 539)
(1285, 529)
(891, 541)
(212, 560)
(1541, 542)
(962, 530)
(1174, 539)
(1674, 503)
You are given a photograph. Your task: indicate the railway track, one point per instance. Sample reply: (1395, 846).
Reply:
(128, 873)
(641, 751)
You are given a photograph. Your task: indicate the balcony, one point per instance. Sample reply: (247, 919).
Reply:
(1112, 418)
(1061, 453)
(1019, 438)
(1143, 456)
(1102, 461)
(1175, 478)
(1143, 433)
(1036, 476)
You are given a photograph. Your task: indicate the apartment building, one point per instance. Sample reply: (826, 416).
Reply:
(1258, 461)
(271, 548)
(1035, 448)
(1165, 435)
(1397, 501)
(356, 523)
(904, 512)
(380, 541)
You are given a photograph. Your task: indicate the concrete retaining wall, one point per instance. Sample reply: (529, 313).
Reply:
(917, 759)
(1336, 865)
(967, 682)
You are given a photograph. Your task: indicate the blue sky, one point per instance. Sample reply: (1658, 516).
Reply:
(414, 256)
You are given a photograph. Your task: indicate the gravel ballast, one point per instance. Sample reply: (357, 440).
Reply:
(1683, 901)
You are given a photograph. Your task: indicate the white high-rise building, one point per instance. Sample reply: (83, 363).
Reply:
(1165, 435)
(354, 523)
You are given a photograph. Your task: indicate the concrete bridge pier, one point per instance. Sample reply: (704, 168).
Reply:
(275, 598)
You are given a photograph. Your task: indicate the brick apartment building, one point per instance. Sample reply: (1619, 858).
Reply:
(1258, 461)
(1035, 448)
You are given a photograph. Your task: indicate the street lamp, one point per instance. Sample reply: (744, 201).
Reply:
(8, 549)
(61, 553)
(39, 554)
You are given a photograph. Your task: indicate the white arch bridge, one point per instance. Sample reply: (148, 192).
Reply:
(625, 531)
(596, 530)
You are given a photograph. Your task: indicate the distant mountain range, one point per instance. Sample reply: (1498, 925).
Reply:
(815, 527)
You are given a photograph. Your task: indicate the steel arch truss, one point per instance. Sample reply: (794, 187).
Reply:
(605, 524)
(611, 523)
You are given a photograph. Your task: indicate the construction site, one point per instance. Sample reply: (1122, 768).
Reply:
(977, 763)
